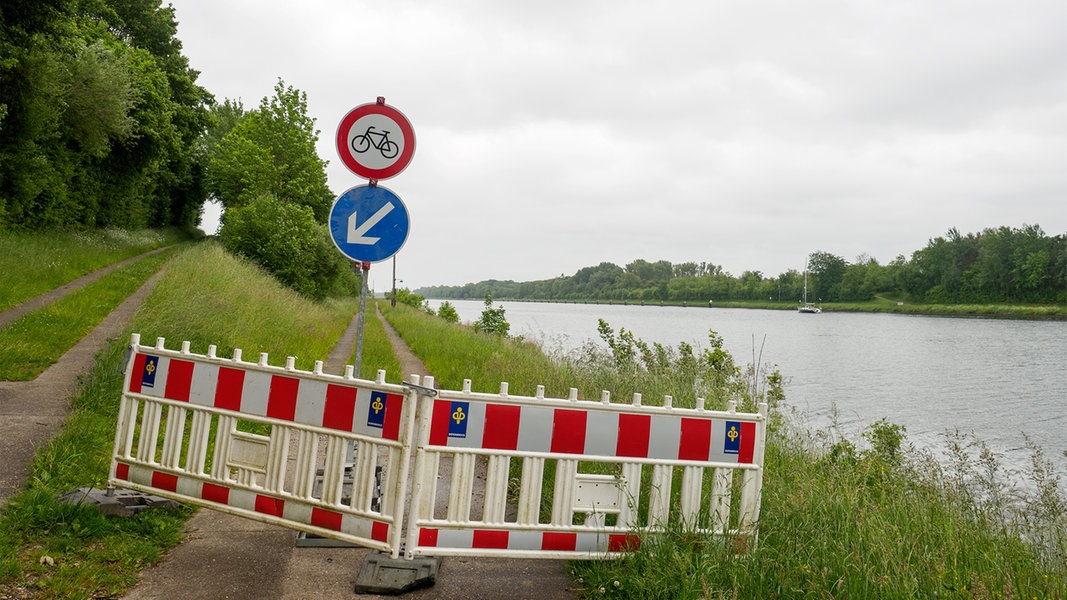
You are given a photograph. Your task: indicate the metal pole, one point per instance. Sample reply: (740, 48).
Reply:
(393, 302)
(362, 318)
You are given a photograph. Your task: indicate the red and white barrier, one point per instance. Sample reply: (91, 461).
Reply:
(273, 432)
(274, 443)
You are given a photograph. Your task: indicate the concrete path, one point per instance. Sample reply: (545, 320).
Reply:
(32, 412)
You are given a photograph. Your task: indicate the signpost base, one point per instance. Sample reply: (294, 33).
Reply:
(381, 574)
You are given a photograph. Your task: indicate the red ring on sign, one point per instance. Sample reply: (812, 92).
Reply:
(349, 159)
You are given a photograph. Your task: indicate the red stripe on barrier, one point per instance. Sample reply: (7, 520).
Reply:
(748, 442)
(634, 432)
(137, 373)
(122, 471)
(379, 531)
(623, 543)
(340, 411)
(327, 519)
(501, 427)
(568, 431)
(281, 402)
(228, 390)
(554, 540)
(394, 405)
(695, 440)
(428, 538)
(439, 423)
(490, 539)
(165, 481)
(269, 506)
(215, 493)
(179, 379)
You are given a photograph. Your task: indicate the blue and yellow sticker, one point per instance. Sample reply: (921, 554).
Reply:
(457, 419)
(732, 442)
(148, 373)
(376, 411)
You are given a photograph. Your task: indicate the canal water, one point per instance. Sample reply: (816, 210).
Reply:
(998, 379)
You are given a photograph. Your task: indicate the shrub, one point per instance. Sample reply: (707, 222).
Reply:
(492, 319)
(287, 241)
(448, 312)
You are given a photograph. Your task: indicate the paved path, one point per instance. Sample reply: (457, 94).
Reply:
(32, 412)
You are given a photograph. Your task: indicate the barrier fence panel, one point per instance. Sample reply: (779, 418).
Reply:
(256, 440)
(610, 471)
(495, 475)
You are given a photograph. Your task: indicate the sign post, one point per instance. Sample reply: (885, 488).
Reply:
(369, 223)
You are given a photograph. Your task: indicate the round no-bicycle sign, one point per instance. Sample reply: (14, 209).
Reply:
(375, 141)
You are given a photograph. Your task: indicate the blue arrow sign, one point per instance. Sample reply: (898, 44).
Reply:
(369, 223)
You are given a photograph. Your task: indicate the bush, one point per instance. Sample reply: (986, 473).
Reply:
(287, 241)
(492, 320)
(448, 312)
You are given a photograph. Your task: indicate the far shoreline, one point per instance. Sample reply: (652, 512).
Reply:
(989, 311)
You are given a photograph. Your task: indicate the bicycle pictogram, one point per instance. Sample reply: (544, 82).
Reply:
(378, 139)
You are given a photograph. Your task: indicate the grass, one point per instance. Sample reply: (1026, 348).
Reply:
(453, 353)
(377, 351)
(36, 262)
(37, 340)
(839, 520)
(206, 297)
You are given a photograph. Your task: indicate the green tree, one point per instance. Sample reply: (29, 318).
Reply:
(271, 150)
(829, 273)
(492, 319)
(98, 114)
(448, 312)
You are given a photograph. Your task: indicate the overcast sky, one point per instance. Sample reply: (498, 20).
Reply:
(553, 135)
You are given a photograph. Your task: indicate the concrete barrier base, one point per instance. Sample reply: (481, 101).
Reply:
(381, 574)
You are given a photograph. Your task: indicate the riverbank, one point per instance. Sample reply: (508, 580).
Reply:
(992, 311)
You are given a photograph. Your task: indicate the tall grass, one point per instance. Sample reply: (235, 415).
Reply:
(35, 262)
(206, 297)
(211, 297)
(869, 518)
(453, 353)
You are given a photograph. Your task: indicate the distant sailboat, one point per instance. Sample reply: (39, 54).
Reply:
(808, 307)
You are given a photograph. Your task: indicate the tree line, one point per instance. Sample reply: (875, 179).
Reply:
(102, 124)
(997, 265)
(100, 116)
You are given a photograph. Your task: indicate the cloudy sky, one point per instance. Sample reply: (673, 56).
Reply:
(554, 135)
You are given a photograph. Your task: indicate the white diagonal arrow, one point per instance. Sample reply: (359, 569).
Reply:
(356, 235)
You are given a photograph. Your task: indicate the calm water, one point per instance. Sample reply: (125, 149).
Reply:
(995, 378)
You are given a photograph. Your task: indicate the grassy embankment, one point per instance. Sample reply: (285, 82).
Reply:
(873, 519)
(206, 297)
(34, 263)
